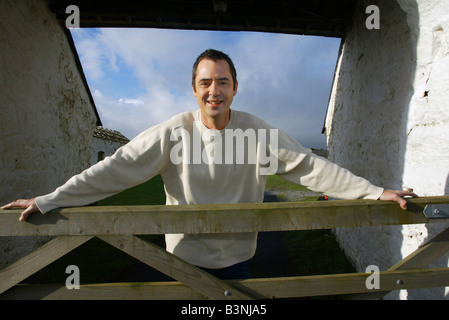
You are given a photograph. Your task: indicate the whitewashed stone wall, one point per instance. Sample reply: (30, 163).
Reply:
(46, 118)
(388, 121)
(108, 147)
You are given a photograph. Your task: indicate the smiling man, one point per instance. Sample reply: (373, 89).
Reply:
(214, 83)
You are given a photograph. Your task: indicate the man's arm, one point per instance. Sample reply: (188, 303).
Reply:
(321, 175)
(132, 164)
(31, 206)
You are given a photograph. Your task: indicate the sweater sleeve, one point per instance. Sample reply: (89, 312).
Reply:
(136, 162)
(321, 175)
(299, 165)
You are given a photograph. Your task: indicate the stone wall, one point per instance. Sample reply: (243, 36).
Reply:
(46, 117)
(388, 120)
(107, 142)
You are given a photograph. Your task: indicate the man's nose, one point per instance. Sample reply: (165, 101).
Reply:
(214, 89)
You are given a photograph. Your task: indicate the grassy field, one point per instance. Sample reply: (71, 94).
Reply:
(279, 183)
(308, 252)
(148, 193)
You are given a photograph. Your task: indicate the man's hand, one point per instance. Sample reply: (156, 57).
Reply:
(398, 196)
(29, 204)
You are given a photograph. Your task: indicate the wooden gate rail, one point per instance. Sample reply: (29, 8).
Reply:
(118, 226)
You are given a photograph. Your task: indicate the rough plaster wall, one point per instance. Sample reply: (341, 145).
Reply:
(46, 118)
(427, 153)
(426, 165)
(381, 126)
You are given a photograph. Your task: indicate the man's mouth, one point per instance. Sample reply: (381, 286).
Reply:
(214, 102)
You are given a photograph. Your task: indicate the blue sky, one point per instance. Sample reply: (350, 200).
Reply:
(141, 77)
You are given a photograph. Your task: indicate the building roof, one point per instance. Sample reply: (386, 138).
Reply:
(111, 135)
(311, 17)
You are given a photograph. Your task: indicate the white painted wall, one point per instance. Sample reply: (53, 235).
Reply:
(381, 124)
(109, 147)
(46, 118)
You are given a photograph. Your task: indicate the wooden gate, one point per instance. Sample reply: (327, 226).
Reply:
(120, 225)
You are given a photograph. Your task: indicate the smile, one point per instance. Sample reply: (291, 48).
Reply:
(214, 102)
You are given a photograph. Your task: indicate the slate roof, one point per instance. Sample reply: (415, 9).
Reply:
(111, 135)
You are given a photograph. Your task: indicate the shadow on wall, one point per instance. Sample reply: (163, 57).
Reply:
(369, 124)
(446, 189)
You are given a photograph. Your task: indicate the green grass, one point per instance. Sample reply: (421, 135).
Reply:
(315, 252)
(148, 193)
(311, 252)
(279, 183)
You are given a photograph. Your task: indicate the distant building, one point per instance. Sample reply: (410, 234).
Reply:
(105, 143)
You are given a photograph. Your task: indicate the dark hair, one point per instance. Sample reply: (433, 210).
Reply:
(214, 55)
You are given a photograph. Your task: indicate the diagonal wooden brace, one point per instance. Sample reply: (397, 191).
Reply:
(176, 268)
(38, 259)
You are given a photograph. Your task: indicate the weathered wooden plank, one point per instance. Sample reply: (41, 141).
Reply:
(38, 259)
(282, 216)
(339, 284)
(176, 268)
(288, 287)
(104, 291)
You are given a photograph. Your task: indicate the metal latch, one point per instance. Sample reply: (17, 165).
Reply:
(432, 211)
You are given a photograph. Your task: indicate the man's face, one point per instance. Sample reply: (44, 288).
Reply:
(214, 90)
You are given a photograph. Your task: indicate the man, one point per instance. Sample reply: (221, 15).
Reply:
(194, 173)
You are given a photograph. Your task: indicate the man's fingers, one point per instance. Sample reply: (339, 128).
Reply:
(397, 196)
(27, 212)
(21, 203)
(402, 202)
(10, 205)
(29, 204)
(408, 194)
(6, 206)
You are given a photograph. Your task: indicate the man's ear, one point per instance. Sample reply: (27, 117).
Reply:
(193, 90)
(235, 87)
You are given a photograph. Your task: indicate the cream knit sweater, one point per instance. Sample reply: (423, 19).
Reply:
(172, 150)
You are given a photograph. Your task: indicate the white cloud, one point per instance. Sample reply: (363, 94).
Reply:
(136, 102)
(283, 79)
(90, 53)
